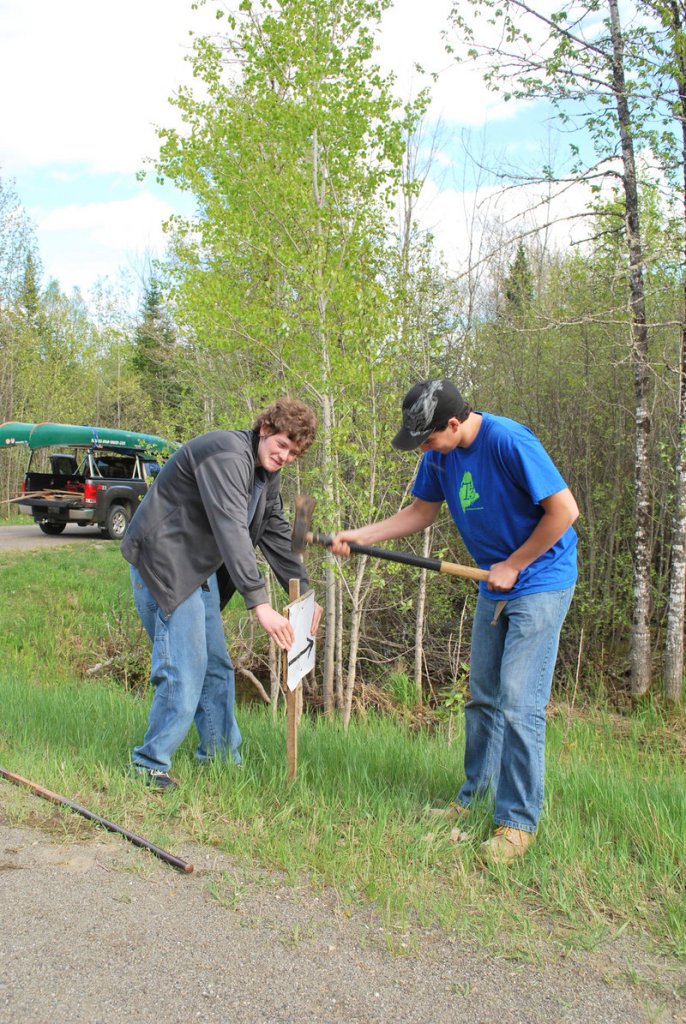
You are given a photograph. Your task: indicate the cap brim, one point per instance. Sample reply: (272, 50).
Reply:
(406, 440)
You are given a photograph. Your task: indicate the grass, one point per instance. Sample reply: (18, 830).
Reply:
(611, 854)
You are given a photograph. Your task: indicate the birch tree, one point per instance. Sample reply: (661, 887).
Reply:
(578, 62)
(670, 66)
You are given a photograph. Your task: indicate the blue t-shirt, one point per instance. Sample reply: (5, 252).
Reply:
(493, 489)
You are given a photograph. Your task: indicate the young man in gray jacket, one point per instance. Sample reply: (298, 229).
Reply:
(191, 545)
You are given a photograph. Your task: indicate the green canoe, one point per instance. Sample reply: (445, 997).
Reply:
(59, 435)
(12, 434)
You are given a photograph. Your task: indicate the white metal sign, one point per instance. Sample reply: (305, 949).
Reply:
(301, 654)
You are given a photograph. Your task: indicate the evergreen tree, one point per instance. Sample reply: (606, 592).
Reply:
(518, 289)
(29, 302)
(154, 358)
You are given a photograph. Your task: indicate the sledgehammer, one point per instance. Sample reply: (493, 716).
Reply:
(301, 536)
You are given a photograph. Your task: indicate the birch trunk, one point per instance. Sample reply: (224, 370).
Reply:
(355, 622)
(319, 193)
(339, 646)
(673, 671)
(674, 640)
(330, 616)
(357, 603)
(419, 622)
(640, 634)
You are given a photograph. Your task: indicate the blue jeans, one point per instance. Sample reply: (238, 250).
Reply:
(510, 676)
(192, 676)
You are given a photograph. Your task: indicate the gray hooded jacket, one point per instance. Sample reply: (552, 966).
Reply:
(194, 521)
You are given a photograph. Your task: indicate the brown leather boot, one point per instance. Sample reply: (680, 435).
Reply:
(506, 845)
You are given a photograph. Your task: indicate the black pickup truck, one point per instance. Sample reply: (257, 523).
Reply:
(92, 476)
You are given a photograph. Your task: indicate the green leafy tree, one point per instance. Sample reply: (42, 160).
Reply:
(17, 246)
(17, 243)
(294, 156)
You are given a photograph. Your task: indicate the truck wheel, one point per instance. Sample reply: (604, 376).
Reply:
(118, 518)
(52, 529)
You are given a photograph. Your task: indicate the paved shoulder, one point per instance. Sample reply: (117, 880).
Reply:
(99, 931)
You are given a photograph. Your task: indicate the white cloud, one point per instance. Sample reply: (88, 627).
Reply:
(114, 224)
(84, 82)
(97, 239)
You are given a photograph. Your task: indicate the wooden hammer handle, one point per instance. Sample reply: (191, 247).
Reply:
(452, 568)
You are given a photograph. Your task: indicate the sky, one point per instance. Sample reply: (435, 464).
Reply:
(86, 82)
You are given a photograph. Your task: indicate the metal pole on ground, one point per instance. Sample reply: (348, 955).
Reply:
(55, 798)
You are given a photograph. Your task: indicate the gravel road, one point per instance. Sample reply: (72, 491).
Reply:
(24, 538)
(94, 930)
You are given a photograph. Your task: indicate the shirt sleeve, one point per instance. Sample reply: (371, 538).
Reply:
(427, 484)
(530, 467)
(275, 544)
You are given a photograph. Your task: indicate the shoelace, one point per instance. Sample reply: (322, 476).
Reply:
(510, 834)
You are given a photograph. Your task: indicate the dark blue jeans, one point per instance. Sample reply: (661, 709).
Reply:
(510, 676)
(192, 676)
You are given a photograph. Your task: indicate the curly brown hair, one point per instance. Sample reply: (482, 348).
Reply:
(289, 416)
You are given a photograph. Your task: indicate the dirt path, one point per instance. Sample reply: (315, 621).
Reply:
(96, 930)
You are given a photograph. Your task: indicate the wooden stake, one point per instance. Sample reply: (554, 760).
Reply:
(291, 701)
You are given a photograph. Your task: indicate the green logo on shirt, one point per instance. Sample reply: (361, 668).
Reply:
(468, 493)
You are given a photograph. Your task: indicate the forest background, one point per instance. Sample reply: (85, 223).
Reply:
(303, 270)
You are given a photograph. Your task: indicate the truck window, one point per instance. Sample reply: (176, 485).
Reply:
(63, 465)
(113, 467)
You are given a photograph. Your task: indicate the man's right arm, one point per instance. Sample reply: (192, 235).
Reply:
(412, 519)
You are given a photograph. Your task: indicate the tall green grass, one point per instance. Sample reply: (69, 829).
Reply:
(611, 852)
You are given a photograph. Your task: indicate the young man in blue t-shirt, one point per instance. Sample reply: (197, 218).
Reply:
(515, 514)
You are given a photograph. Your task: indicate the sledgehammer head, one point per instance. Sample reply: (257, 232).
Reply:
(304, 509)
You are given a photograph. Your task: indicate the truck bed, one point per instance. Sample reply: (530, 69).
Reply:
(46, 483)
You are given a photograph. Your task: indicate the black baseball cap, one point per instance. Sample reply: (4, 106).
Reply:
(427, 407)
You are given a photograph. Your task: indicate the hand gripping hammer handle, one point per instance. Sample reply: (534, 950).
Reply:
(435, 564)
